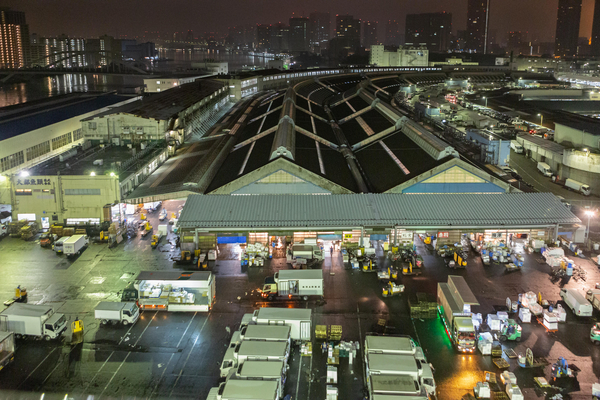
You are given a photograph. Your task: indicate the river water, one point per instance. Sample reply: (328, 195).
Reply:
(38, 86)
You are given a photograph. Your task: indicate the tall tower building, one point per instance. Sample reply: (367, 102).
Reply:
(392, 33)
(319, 30)
(14, 39)
(348, 28)
(596, 30)
(298, 34)
(263, 37)
(369, 33)
(478, 15)
(431, 30)
(567, 28)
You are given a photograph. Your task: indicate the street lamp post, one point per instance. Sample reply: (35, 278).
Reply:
(541, 119)
(485, 98)
(589, 214)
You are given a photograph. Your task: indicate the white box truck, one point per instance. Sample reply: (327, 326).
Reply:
(266, 333)
(298, 319)
(294, 284)
(261, 351)
(7, 348)
(33, 320)
(406, 365)
(593, 296)
(113, 312)
(516, 146)
(576, 302)
(579, 187)
(393, 387)
(302, 254)
(544, 169)
(242, 389)
(75, 245)
(262, 370)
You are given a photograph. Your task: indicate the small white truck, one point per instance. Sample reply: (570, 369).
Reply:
(33, 320)
(298, 319)
(593, 296)
(114, 312)
(245, 389)
(7, 348)
(75, 245)
(262, 371)
(579, 187)
(577, 302)
(303, 254)
(544, 168)
(266, 333)
(516, 147)
(294, 284)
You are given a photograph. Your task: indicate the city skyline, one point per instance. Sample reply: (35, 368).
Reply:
(533, 16)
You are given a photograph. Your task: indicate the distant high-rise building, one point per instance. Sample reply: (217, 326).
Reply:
(103, 51)
(392, 33)
(319, 30)
(64, 52)
(298, 34)
(263, 37)
(369, 33)
(567, 28)
(280, 35)
(189, 36)
(515, 40)
(431, 29)
(348, 28)
(14, 39)
(596, 30)
(478, 14)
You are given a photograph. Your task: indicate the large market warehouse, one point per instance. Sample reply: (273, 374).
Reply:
(210, 219)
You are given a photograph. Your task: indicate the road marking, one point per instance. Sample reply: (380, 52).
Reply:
(41, 362)
(188, 356)
(311, 360)
(127, 356)
(171, 358)
(104, 363)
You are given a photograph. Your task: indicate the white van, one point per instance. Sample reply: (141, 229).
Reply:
(544, 169)
(58, 245)
(577, 302)
(517, 148)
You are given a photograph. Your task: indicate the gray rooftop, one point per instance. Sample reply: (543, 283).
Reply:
(543, 143)
(173, 276)
(387, 209)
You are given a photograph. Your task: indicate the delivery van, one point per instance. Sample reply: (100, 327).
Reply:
(544, 169)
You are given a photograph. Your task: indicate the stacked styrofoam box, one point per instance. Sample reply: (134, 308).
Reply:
(514, 392)
(560, 313)
(550, 321)
(493, 322)
(508, 378)
(525, 315)
(484, 343)
(332, 392)
(596, 389)
(482, 390)
(535, 309)
(528, 298)
(502, 315)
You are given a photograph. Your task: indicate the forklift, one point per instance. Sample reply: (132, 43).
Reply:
(392, 289)
(369, 264)
(411, 268)
(595, 333)
(510, 330)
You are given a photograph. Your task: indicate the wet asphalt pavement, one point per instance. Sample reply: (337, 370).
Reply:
(177, 355)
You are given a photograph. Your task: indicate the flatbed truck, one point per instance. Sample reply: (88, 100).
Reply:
(454, 304)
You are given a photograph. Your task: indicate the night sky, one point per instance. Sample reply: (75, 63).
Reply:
(89, 18)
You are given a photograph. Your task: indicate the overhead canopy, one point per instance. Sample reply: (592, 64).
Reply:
(386, 209)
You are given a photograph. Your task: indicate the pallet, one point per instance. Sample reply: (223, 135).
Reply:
(510, 353)
(500, 363)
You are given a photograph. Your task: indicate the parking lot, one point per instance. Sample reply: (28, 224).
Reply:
(177, 355)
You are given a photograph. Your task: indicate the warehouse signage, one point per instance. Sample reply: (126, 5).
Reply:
(442, 235)
(28, 182)
(347, 236)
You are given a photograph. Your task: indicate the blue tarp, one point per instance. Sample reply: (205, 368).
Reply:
(231, 239)
(378, 237)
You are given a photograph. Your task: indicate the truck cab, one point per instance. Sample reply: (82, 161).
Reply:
(54, 326)
(464, 332)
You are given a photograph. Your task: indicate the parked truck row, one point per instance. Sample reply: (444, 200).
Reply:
(454, 303)
(255, 364)
(396, 366)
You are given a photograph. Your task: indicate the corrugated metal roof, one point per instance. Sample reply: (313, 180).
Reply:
(386, 209)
